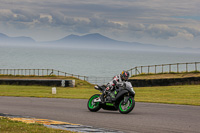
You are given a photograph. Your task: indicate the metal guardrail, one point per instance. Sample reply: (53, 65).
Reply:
(165, 68)
(39, 72)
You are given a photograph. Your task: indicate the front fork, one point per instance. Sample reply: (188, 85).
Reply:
(125, 100)
(126, 97)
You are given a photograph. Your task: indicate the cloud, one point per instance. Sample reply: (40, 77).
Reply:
(136, 27)
(138, 18)
(6, 15)
(97, 22)
(161, 31)
(22, 15)
(194, 32)
(185, 36)
(20, 19)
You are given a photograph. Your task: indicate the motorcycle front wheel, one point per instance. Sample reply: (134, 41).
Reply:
(127, 107)
(93, 106)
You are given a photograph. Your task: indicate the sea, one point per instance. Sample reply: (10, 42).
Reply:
(86, 62)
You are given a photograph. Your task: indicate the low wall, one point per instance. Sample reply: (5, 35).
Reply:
(44, 82)
(164, 82)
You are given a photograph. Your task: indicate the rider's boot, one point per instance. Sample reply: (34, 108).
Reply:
(100, 99)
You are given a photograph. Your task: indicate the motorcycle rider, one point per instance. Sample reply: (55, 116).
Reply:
(123, 77)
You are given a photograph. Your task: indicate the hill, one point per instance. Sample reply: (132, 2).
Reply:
(98, 41)
(92, 41)
(6, 40)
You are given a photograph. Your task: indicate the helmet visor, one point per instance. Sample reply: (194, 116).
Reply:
(126, 77)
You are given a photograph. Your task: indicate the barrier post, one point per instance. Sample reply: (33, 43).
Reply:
(177, 67)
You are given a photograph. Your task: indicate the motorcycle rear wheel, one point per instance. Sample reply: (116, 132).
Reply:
(93, 106)
(128, 107)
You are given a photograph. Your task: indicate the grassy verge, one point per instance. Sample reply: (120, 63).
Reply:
(78, 82)
(45, 91)
(187, 94)
(167, 75)
(9, 126)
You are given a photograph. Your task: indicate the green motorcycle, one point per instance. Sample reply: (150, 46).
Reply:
(121, 98)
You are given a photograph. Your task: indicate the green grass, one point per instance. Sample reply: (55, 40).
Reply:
(187, 94)
(9, 126)
(45, 91)
(167, 75)
(184, 72)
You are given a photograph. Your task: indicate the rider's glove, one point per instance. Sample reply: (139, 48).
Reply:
(114, 82)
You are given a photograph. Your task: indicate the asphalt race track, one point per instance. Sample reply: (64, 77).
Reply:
(145, 118)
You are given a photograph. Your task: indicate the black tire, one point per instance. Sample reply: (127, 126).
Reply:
(128, 107)
(94, 107)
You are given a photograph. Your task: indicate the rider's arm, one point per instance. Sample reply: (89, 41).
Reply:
(112, 82)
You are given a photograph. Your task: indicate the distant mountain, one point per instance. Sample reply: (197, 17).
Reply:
(99, 41)
(89, 38)
(4, 39)
(3, 35)
(92, 41)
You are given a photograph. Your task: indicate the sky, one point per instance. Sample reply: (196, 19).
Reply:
(174, 23)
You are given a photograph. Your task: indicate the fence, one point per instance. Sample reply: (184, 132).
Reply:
(166, 68)
(39, 72)
(163, 68)
(99, 80)
(49, 72)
